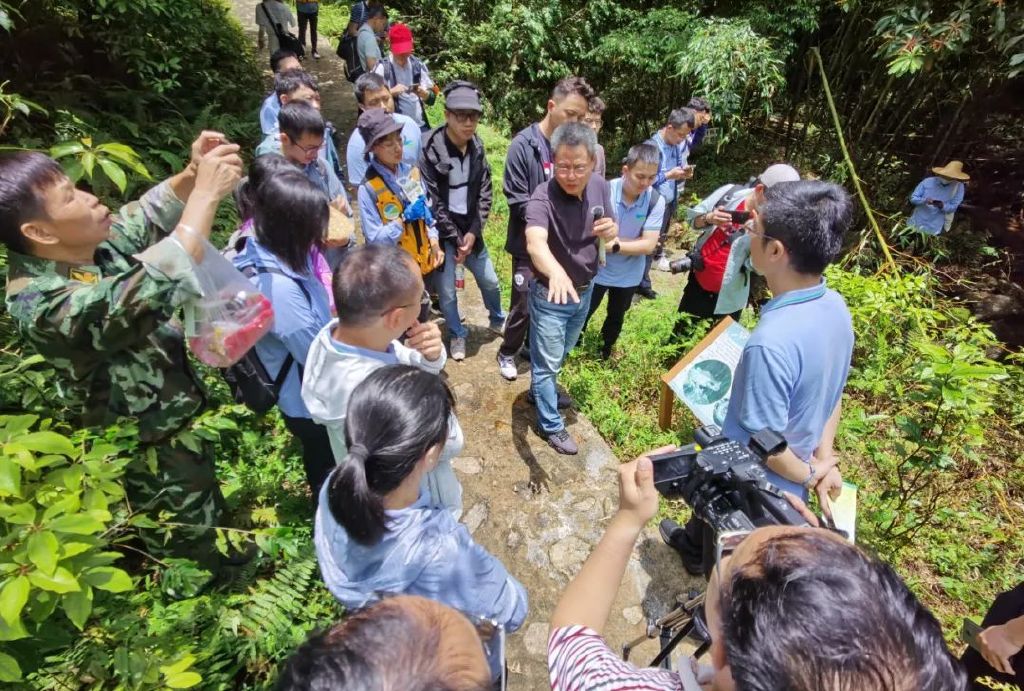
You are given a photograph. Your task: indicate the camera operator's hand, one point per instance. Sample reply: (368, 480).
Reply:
(998, 646)
(717, 217)
(638, 499)
(802, 508)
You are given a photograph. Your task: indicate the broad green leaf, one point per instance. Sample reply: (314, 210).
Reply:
(10, 671)
(19, 514)
(76, 524)
(115, 173)
(78, 606)
(180, 666)
(13, 598)
(10, 478)
(12, 632)
(182, 680)
(47, 442)
(88, 163)
(108, 578)
(62, 581)
(43, 549)
(66, 149)
(73, 549)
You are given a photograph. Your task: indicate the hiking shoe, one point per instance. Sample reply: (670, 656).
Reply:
(316, 55)
(564, 399)
(507, 367)
(457, 348)
(561, 442)
(675, 537)
(497, 327)
(647, 293)
(663, 264)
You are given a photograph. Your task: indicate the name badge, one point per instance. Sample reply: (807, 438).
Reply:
(83, 276)
(391, 212)
(549, 168)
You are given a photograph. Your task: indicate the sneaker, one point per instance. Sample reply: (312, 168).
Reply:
(316, 55)
(457, 348)
(647, 293)
(564, 399)
(497, 327)
(507, 367)
(663, 264)
(675, 537)
(561, 442)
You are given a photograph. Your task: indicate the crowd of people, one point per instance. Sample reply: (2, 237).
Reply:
(355, 352)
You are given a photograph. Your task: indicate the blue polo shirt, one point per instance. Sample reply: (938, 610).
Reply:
(670, 159)
(792, 372)
(626, 271)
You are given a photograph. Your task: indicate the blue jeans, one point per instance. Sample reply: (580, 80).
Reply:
(479, 264)
(554, 330)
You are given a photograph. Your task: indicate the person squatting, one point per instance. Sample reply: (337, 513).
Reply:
(355, 357)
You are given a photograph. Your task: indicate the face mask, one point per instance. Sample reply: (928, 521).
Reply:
(945, 183)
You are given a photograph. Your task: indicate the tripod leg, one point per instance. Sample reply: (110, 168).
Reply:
(666, 649)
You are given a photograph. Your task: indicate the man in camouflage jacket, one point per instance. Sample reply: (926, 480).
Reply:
(96, 294)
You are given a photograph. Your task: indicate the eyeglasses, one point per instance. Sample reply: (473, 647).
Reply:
(307, 149)
(490, 632)
(465, 115)
(725, 545)
(574, 171)
(593, 122)
(424, 302)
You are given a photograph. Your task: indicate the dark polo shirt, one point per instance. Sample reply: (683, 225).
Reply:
(570, 225)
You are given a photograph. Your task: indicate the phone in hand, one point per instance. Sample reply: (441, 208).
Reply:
(739, 217)
(969, 634)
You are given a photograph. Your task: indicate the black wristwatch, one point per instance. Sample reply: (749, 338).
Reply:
(616, 247)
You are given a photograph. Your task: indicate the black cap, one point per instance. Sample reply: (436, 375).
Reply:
(375, 124)
(462, 95)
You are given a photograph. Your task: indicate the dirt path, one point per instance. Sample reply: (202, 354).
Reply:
(539, 512)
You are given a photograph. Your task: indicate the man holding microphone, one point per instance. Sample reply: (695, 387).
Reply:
(570, 224)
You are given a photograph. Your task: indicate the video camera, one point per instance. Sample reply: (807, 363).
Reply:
(724, 482)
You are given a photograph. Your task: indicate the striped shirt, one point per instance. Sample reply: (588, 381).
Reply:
(580, 660)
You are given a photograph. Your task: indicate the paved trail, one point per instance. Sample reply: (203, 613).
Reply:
(539, 512)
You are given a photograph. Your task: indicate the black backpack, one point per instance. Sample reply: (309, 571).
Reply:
(287, 40)
(349, 54)
(247, 379)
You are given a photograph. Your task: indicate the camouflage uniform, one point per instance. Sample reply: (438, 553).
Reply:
(109, 330)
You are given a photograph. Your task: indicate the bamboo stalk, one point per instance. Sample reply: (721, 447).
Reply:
(849, 162)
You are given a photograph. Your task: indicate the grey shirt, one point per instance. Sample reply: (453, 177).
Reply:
(366, 45)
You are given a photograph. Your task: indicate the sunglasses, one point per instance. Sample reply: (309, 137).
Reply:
(490, 632)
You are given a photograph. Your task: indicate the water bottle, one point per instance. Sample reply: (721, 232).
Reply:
(460, 276)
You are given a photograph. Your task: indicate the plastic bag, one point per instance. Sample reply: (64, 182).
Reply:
(230, 316)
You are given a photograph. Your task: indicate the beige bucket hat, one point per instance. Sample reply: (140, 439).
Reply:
(954, 170)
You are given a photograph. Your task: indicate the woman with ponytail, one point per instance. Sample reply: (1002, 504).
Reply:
(376, 529)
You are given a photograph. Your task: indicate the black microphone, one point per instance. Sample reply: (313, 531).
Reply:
(598, 213)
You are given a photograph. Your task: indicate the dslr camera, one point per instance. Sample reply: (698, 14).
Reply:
(724, 482)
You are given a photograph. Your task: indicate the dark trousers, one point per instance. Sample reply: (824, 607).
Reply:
(1007, 606)
(310, 21)
(518, 323)
(698, 302)
(317, 457)
(659, 251)
(619, 300)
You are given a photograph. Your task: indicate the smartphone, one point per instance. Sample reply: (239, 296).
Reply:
(739, 217)
(969, 634)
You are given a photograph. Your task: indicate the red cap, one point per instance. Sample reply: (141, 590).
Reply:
(400, 36)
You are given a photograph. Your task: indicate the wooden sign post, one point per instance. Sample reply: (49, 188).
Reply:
(667, 395)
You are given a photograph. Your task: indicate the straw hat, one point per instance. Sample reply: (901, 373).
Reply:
(954, 170)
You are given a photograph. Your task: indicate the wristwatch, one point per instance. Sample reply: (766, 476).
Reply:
(616, 247)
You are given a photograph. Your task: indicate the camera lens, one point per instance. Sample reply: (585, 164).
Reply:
(678, 266)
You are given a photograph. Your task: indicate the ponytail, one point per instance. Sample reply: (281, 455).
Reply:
(353, 503)
(395, 416)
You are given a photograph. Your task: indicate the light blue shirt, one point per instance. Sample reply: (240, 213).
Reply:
(297, 319)
(376, 229)
(626, 271)
(268, 114)
(792, 372)
(927, 218)
(669, 159)
(357, 162)
(424, 552)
